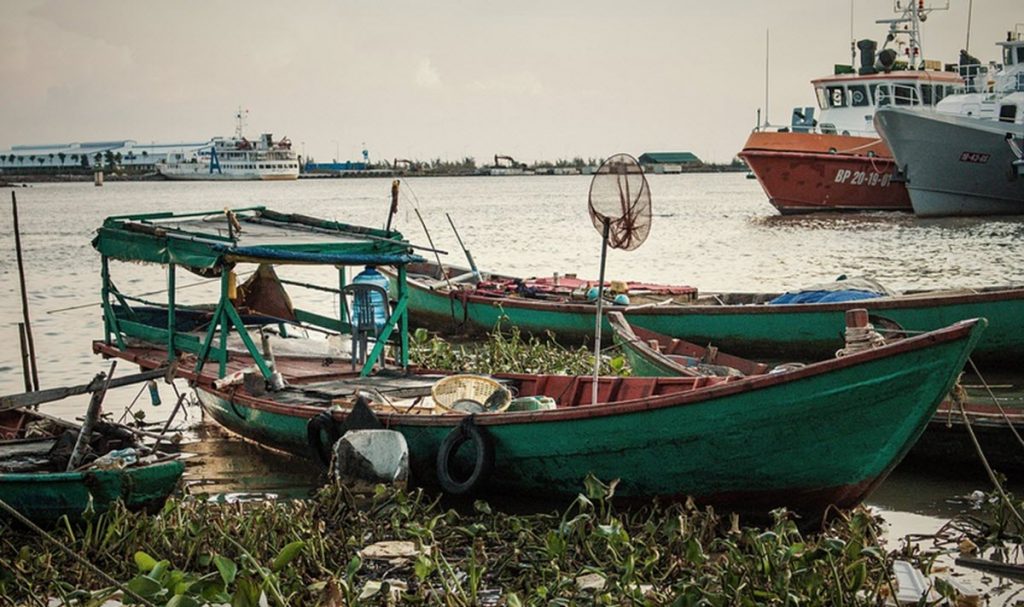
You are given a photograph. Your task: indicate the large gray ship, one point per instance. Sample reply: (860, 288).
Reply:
(965, 157)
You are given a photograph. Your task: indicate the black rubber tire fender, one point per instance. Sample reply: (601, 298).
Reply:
(319, 425)
(483, 465)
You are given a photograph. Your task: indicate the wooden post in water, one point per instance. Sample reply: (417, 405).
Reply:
(24, 296)
(91, 415)
(26, 367)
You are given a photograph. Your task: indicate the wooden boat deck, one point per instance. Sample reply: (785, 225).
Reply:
(311, 382)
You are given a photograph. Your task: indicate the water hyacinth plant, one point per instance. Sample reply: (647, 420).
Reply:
(509, 351)
(317, 552)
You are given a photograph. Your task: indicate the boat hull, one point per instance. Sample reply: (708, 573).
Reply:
(782, 332)
(46, 497)
(947, 438)
(808, 172)
(955, 165)
(822, 435)
(201, 172)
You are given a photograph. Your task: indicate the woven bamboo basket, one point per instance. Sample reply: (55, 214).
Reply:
(448, 391)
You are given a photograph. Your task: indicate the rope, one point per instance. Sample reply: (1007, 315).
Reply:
(859, 339)
(959, 395)
(995, 402)
(74, 555)
(128, 409)
(859, 147)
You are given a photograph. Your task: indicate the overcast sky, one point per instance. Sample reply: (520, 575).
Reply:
(422, 79)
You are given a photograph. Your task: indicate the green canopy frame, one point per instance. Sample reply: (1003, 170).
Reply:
(197, 241)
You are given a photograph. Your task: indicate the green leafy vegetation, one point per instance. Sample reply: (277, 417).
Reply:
(509, 352)
(314, 552)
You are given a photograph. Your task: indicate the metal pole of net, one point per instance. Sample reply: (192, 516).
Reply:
(620, 209)
(599, 315)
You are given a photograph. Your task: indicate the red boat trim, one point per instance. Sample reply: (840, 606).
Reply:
(673, 309)
(960, 330)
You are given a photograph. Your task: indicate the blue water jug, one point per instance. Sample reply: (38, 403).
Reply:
(377, 301)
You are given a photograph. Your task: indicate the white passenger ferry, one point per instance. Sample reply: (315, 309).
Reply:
(235, 159)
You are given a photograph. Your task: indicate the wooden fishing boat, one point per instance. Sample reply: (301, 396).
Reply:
(33, 480)
(825, 434)
(653, 355)
(995, 414)
(447, 298)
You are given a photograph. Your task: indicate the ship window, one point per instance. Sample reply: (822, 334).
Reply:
(882, 94)
(1007, 113)
(1008, 55)
(905, 94)
(836, 96)
(926, 94)
(822, 98)
(859, 96)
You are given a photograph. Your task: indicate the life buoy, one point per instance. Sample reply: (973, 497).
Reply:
(483, 461)
(320, 425)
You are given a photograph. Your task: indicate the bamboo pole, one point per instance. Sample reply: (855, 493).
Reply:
(24, 296)
(26, 366)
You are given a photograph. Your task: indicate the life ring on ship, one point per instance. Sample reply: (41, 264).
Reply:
(320, 425)
(483, 460)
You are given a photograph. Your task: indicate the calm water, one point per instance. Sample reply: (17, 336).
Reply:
(716, 232)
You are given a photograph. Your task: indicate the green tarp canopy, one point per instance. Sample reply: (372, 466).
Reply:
(257, 235)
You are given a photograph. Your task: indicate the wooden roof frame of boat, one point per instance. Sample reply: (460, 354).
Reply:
(169, 240)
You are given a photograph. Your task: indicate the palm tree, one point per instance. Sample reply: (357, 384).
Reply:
(97, 158)
(62, 157)
(51, 157)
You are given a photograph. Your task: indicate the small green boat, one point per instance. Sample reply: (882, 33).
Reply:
(31, 483)
(824, 434)
(452, 299)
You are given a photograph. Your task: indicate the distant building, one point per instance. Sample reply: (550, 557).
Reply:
(669, 162)
(125, 152)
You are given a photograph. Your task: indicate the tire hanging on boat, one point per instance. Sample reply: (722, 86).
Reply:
(361, 417)
(317, 427)
(483, 461)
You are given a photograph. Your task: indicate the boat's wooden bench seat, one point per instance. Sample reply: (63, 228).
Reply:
(571, 391)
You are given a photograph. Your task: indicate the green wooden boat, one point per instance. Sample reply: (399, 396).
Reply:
(736, 322)
(30, 483)
(995, 415)
(652, 355)
(825, 434)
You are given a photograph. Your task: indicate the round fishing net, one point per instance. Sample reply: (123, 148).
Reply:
(620, 196)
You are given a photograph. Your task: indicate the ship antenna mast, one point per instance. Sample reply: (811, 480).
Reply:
(913, 12)
(240, 116)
